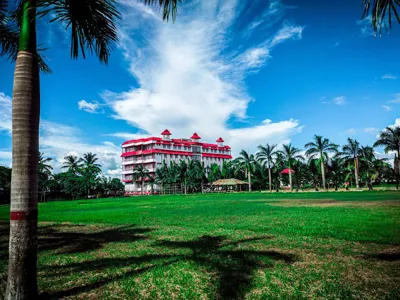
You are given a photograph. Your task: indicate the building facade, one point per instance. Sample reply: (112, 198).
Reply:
(151, 152)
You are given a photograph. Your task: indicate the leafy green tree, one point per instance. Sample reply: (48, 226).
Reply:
(5, 184)
(214, 173)
(336, 172)
(320, 148)
(140, 173)
(183, 174)
(291, 153)
(266, 155)
(382, 11)
(350, 152)
(72, 163)
(44, 173)
(228, 170)
(246, 162)
(314, 171)
(260, 175)
(389, 138)
(89, 171)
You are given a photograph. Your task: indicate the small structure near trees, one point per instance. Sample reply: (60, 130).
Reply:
(231, 184)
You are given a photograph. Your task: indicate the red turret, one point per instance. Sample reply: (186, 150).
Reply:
(166, 132)
(195, 136)
(220, 140)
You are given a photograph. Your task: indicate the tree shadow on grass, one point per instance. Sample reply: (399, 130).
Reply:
(82, 239)
(234, 267)
(384, 256)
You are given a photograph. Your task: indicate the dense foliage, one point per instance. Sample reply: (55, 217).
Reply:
(81, 179)
(321, 165)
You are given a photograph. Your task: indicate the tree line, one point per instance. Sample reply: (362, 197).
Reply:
(320, 165)
(81, 179)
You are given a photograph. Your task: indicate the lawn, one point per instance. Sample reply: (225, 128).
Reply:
(228, 246)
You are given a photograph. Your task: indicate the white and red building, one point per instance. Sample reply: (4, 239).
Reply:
(151, 152)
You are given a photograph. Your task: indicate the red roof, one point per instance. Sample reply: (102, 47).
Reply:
(220, 140)
(166, 132)
(287, 171)
(195, 136)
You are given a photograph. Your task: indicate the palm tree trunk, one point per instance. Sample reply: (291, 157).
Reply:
(356, 173)
(270, 179)
(249, 176)
(141, 188)
(290, 180)
(22, 281)
(323, 174)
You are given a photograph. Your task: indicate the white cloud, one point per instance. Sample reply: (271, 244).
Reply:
(58, 140)
(90, 107)
(387, 107)
(5, 113)
(396, 98)
(126, 135)
(371, 130)
(388, 76)
(351, 131)
(341, 100)
(365, 26)
(189, 79)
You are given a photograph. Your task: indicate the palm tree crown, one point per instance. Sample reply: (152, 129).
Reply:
(72, 163)
(266, 154)
(320, 147)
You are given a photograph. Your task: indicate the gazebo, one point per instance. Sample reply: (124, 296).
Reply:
(228, 184)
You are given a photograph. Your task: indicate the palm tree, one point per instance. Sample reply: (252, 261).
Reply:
(92, 25)
(290, 154)
(350, 153)
(379, 10)
(72, 163)
(44, 171)
(141, 173)
(183, 174)
(44, 167)
(89, 161)
(389, 138)
(266, 156)
(321, 147)
(246, 161)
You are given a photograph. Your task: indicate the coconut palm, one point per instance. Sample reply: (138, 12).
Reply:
(336, 171)
(92, 25)
(44, 167)
(350, 152)
(321, 147)
(381, 12)
(266, 156)
(140, 173)
(389, 138)
(245, 162)
(89, 162)
(290, 154)
(72, 163)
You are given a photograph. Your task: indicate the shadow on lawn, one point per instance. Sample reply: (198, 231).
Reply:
(232, 268)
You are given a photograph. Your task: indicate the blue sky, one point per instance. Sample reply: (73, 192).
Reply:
(253, 72)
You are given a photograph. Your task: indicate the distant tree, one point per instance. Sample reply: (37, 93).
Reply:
(245, 162)
(290, 154)
(350, 152)
(5, 184)
(140, 173)
(44, 173)
(337, 171)
(320, 148)
(90, 171)
(72, 163)
(389, 138)
(266, 155)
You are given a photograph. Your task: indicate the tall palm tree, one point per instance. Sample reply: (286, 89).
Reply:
(72, 163)
(350, 152)
(336, 171)
(92, 25)
(266, 155)
(44, 167)
(246, 161)
(389, 138)
(290, 154)
(89, 161)
(140, 173)
(379, 10)
(321, 147)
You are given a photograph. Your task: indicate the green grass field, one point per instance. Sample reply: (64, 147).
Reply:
(226, 246)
